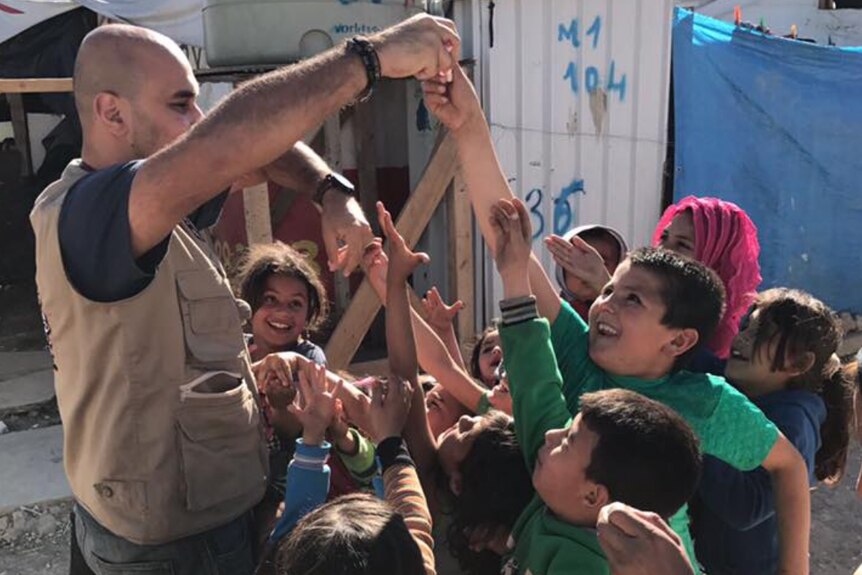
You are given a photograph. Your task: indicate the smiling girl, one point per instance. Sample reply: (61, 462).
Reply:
(784, 360)
(287, 300)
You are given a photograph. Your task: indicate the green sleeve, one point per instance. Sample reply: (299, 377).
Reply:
(535, 384)
(570, 338)
(738, 433)
(484, 405)
(578, 561)
(361, 465)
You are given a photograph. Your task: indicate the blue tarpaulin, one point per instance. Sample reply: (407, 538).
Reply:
(775, 126)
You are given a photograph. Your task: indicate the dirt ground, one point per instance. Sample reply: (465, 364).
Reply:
(836, 536)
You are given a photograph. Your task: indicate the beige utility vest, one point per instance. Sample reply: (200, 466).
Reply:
(153, 453)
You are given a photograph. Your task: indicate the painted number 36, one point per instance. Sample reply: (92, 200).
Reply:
(564, 214)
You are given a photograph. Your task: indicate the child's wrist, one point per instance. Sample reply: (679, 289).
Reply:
(313, 435)
(516, 284)
(347, 444)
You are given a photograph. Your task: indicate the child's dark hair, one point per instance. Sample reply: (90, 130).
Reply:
(475, 371)
(278, 259)
(646, 456)
(355, 534)
(495, 489)
(693, 294)
(799, 323)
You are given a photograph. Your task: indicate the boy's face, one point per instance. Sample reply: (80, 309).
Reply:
(560, 474)
(455, 444)
(443, 409)
(627, 336)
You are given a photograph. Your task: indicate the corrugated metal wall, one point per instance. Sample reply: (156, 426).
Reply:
(577, 96)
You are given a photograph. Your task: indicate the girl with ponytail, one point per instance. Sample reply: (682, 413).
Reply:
(784, 359)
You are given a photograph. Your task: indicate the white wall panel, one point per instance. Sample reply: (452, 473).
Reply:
(577, 98)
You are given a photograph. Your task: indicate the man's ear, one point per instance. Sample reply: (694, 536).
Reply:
(683, 341)
(108, 110)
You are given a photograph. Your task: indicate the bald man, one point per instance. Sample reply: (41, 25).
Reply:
(164, 450)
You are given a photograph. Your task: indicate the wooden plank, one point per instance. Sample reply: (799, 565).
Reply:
(258, 224)
(35, 85)
(411, 223)
(461, 266)
(366, 160)
(21, 131)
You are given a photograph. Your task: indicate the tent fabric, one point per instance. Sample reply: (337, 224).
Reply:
(177, 19)
(775, 126)
(19, 15)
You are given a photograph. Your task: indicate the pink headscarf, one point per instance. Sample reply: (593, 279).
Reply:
(725, 240)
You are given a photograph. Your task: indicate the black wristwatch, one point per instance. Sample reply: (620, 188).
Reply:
(333, 181)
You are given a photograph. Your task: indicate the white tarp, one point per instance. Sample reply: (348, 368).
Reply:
(178, 19)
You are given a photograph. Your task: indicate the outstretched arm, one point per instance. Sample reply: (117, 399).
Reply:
(534, 379)
(458, 107)
(400, 342)
(267, 116)
(432, 353)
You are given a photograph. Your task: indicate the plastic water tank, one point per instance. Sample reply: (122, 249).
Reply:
(253, 32)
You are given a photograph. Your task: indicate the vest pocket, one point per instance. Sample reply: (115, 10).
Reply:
(211, 322)
(220, 443)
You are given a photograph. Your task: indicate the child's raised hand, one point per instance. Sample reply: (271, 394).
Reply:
(375, 264)
(579, 259)
(274, 377)
(454, 103)
(439, 315)
(500, 398)
(402, 261)
(390, 404)
(510, 224)
(318, 403)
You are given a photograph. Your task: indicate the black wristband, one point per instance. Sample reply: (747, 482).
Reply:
(391, 451)
(518, 310)
(365, 50)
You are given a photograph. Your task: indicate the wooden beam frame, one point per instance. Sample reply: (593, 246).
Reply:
(35, 85)
(411, 223)
(461, 263)
(13, 88)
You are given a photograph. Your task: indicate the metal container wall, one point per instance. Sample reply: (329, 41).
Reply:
(576, 93)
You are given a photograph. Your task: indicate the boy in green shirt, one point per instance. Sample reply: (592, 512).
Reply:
(641, 330)
(621, 446)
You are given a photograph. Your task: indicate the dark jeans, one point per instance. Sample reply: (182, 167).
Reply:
(225, 550)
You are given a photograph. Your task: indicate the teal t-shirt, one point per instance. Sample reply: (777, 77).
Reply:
(729, 426)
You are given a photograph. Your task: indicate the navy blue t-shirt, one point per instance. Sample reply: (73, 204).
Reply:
(95, 236)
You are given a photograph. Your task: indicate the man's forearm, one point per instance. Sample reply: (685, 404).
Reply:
(256, 124)
(299, 169)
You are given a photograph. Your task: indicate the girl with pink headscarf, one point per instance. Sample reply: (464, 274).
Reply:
(721, 236)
